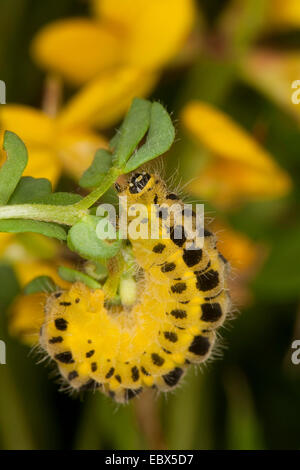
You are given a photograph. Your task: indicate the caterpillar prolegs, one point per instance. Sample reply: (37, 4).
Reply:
(182, 300)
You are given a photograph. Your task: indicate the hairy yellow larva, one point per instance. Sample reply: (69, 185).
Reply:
(182, 299)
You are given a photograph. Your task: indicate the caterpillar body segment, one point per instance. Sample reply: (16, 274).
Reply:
(183, 299)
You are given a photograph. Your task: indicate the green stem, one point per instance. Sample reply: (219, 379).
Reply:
(106, 183)
(48, 213)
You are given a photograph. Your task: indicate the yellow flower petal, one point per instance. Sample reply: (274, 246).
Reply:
(230, 183)
(43, 163)
(238, 249)
(77, 148)
(156, 29)
(37, 130)
(5, 238)
(273, 73)
(284, 13)
(26, 316)
(76, 48)
(104, 101)
(222, 136)
(26, 271)
(29, 124)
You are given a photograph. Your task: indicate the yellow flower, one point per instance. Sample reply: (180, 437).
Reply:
(284, 13)
(140, 33)
(274, 72)
(116, 55)
(237, 167)
(52, 146)
(26, 314)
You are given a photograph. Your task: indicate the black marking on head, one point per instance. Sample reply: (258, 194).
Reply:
(77, 300)
(192, 257)
(65, 357)
(159, 248)
(56, 339)
(90, 341)
(184, 302)
(200, 345)
(173, 377)
(65, 304)
(157, 360)
(94, 366)
(118, 188)
(110, 373)
(144, 371)
(73, 375)
(211, 312)
(90, 385)
(58, 294)
(135, 374)
(131, 393)
(118, 378)
(178, 230)
(207, 281)
(172, 196)
(111, 394)
(155, 200)
(90, 353)
(138, 182)
(61, 324)
(178, 288)
(168, 267)
(170, 336)
(177, 313)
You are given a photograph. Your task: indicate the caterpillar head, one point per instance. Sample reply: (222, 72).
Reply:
(140, 186)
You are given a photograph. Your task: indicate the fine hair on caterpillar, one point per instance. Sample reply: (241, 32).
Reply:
(182, 298)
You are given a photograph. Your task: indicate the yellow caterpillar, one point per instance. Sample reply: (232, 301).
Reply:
(182, 299)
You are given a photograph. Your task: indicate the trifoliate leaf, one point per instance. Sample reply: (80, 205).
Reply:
(133, 129)
(96, 172)
(160, 138)
(72, 275)
(30, 189)
(59, 199)
(83, 239)
(12, 169)
(40, 284)
(22, 225)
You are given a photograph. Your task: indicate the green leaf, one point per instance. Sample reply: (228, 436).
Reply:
(59, 199)
(83, 239)
(29, 189)
(21, 225)
(40, 284)
(12, 169)
(160, 138)
(72, 275)
(134, 127)
(99, 168)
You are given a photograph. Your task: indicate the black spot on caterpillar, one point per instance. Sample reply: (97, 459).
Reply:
(183, 299)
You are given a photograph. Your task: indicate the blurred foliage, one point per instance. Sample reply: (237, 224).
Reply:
(249, 397)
